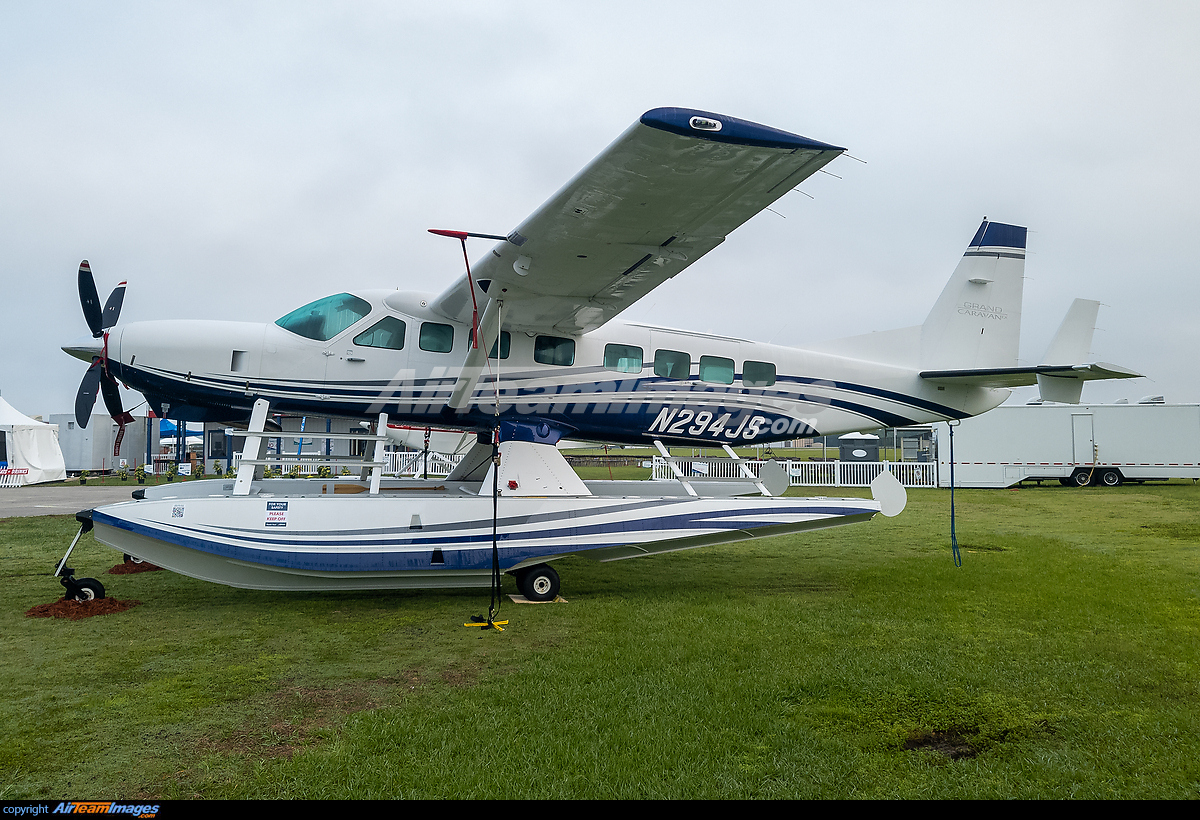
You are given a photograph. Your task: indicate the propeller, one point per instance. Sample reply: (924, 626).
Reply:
(98, 379)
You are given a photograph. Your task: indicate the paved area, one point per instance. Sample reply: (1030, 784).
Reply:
(54, 500)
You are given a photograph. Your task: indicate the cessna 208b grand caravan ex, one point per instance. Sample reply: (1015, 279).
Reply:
(553, 360)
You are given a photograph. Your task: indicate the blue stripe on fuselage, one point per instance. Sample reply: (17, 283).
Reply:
(421, 401)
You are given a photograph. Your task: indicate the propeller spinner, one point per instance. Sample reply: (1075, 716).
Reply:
(98, 379)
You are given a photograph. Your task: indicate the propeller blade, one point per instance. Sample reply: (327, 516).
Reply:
(112, 308)
(112, 396)
(85, 399)
(90, 300)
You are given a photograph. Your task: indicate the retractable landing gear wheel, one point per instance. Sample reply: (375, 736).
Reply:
(1081, 478)
(85, 589)
(1110, 478)
(539, 583)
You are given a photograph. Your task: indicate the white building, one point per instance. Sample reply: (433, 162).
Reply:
(94, 448)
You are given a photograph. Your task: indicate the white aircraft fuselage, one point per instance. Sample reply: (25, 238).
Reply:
(212, 370)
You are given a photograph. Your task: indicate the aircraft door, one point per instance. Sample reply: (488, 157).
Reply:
(369, 360)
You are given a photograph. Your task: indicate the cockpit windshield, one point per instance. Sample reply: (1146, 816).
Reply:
(325, 318)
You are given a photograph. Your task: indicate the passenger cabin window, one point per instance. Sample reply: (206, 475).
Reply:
(623, 358)
(716, 369)
(554, 350)
(436, 338)
(387, 333)
(758, 374)
(505, 343)
(325, 318)
(671, 364)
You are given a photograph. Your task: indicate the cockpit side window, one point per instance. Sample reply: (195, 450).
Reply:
(387, 333)
(325, 318)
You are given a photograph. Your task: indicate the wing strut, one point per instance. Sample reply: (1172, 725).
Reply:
(489, 327)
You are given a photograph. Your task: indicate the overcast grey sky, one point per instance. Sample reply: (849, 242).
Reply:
(235, 160)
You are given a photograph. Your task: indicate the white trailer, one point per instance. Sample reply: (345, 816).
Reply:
(1077, 444)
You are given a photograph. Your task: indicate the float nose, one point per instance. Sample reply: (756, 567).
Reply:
(84, 348)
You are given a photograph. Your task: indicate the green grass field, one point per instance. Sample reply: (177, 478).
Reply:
(1062, 660)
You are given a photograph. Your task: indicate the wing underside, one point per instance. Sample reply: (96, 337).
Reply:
(666, 192)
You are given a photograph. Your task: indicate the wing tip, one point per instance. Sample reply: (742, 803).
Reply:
(706, 125)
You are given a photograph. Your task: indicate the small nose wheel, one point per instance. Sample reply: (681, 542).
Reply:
(80, 589)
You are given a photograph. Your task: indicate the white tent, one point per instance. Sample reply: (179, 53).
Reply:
(30, 448)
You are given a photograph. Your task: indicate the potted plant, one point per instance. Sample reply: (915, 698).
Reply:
(140, 474)
(217, 471)
(83, 477)
(172, 471)
(323, 471)
(123, 473)
(198, 472)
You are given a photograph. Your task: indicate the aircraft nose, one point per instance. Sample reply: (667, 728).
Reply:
(84, 348)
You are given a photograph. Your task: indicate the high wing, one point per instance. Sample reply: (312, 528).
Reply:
(669, 190)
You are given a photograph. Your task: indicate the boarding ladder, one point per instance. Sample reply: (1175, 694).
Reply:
(254, 457)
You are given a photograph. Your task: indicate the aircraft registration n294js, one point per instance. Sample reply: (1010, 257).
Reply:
(544, 303)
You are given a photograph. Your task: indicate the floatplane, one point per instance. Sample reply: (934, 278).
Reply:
(526, 348)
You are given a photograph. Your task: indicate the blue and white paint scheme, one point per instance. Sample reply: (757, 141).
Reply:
(555, 361)
(304, 535)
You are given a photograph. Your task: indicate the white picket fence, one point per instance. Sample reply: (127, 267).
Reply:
(413, 464)
(808, 473)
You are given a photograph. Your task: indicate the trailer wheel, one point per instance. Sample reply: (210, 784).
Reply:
(1110, 478)
(1081, 478)
(132, 559)
(539, 583)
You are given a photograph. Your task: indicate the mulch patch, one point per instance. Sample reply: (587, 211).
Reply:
(130, 568)
(78, 610)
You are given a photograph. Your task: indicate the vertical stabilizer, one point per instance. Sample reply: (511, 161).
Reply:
(1070, 346)
(1074, 337)
(976, 322)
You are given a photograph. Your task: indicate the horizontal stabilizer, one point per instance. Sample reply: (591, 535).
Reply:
(1024, 376)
